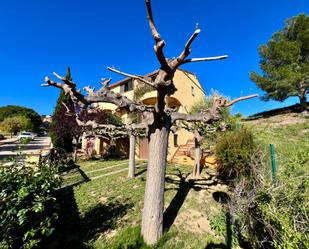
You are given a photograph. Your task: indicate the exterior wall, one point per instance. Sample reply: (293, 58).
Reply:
(189, 91)
(185, 82)
(182, 137)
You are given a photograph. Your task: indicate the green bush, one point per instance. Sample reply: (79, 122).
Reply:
(221, 224)
(27, 204)
(25, 140)
(235, 151)
(275, 215)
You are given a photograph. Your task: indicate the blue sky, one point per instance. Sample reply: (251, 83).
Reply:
(39, 37)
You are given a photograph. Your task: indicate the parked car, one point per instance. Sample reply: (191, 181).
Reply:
(25, 135)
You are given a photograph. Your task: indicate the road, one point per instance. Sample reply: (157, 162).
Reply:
(14, 147)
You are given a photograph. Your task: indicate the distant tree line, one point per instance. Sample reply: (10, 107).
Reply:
(18, 118)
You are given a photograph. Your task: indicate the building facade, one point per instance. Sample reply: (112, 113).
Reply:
(189, 91)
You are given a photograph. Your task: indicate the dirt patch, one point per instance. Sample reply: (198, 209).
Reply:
(199, 205)
(194, 221)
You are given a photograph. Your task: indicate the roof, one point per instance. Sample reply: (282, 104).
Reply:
(123, 81)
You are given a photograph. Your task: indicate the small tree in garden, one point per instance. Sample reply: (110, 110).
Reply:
(116, 131)
(64, 128)
(285, 63)
(208, 131)
(159, 119)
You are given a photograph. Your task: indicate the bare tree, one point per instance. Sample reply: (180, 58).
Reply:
(112, 131)
(159, 119)
(198, 152)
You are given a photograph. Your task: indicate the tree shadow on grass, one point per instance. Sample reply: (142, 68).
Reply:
(183, 189)
(74, 231)
(140, 172)
(72, 167)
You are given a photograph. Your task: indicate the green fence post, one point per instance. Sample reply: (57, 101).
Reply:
(273, 162)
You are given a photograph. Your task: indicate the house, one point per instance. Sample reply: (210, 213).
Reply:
(189, 91)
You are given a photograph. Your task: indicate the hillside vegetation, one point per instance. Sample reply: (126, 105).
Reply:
(274, 213)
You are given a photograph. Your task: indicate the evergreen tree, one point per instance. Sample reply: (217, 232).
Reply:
(285, 62)
(61, 126)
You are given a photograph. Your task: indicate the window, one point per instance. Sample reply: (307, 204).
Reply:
(128, 86)
(192, 91)
(175, 140)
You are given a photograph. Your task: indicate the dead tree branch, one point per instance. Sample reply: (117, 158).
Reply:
(68, 88)
(221, 57)
(102, 95)
(212, 114)
(240, 99)
(140, 78)
(105, 82)
(158, 48)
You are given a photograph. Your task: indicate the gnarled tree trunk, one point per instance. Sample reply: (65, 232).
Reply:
(152, 220)
(197, 159)
(198, 153)
(131, 171)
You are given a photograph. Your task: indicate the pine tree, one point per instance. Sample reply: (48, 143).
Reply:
(285, 62)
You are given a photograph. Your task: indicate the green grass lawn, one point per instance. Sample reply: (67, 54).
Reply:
(106, 212)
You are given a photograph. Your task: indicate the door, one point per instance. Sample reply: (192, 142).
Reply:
(143, 148)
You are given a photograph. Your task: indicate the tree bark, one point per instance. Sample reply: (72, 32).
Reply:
(303, 102)
(197, 159)
(152, 219)
(131, 171)
(74, 153)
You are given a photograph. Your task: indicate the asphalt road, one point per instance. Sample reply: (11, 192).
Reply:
(14, 147)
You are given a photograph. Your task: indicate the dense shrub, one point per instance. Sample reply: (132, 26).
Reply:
(274, 215)
(234, 151)
(211, 132)
(27, 204)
